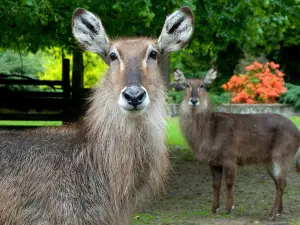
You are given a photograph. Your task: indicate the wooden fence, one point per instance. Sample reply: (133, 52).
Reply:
(55, 104)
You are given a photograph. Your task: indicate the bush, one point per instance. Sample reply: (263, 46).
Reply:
(263, 83)
(14, 66)
(291, 96)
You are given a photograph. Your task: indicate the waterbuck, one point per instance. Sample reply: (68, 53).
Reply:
(100, 170)
(226, 141)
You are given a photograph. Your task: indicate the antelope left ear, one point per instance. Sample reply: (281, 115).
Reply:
(177, 31)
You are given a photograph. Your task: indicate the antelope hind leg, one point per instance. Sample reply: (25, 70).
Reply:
(217, 180)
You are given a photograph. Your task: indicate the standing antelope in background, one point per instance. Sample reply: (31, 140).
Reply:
(227, 141)
(99, 171)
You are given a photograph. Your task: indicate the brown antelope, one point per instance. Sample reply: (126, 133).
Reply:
(99, 171)
(226, 141)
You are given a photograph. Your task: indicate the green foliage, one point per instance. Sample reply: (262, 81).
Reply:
(219, 99)
(223, 28)
(31, 24)
(175, 97)
(291, 96)
(34, 24)
(47, 65)
(26, 66)
(94, 67)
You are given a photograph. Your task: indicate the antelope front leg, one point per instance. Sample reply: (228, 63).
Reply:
(230, 173)
(217, 180)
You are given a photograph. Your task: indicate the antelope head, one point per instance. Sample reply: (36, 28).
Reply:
(134, 63)
(195, 89)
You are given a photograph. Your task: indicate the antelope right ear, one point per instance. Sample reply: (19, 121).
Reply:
(177, 31)
(90, 34)
(179, 80)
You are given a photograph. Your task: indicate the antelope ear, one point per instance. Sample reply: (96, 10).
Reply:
(179, 80)
(210, 76)
(177, 31)
(90, 34)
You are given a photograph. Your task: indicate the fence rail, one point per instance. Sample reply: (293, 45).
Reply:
(55, 104)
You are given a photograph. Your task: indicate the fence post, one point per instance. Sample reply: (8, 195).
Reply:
(66, 89)
(66, 78)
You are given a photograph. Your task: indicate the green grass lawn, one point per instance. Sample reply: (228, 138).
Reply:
(174, 136)
(296, 121)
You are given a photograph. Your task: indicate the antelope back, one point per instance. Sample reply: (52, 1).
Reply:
(134, 71)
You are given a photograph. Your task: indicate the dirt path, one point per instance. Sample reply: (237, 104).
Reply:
(189, 196)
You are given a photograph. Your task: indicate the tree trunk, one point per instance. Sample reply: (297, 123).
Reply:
(77, 86)
(77, 74)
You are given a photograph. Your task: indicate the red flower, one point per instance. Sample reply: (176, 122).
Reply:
(261, 84)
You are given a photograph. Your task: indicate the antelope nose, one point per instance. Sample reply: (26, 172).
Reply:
(194, 101)
(134, 95)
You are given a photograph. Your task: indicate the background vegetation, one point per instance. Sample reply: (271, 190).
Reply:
(229, 34)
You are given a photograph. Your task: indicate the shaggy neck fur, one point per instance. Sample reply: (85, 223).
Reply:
(129, 151)
(193, 117)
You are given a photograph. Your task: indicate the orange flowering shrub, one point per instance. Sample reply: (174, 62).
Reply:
(261, 84)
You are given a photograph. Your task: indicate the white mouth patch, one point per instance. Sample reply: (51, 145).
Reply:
(127, 108)
(191, 103)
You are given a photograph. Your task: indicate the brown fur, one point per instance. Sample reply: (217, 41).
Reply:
(226, 141)
(96, 172)
(99, 171)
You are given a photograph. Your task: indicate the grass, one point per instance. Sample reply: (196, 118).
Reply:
(29, 123)
(174, 136)
(296, 121)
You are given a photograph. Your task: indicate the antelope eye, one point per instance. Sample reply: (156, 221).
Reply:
(201, 86)
(187, 86)
(153, 54)
(112, 56)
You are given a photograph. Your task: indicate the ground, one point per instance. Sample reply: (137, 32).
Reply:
(189, 197)
(189, 194)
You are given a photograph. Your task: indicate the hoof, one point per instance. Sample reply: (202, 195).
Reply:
(214, 211)
(228, 210)
(272, 218)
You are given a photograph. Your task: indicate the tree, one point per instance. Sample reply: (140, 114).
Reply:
(227, 28)
(224, 29)
(33, 25)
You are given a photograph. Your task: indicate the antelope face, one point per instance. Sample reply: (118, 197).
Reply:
(133, 63)
(195, 93)
(134, 68)
(195, 89)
